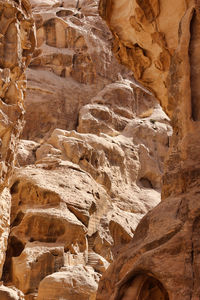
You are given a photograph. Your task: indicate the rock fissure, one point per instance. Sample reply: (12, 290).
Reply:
(194, 68)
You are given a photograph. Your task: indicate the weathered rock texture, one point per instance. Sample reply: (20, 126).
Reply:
(16, 46)
(158, 40)
(83, 195)
(76, 282)
(10, 293)
(73, 62)
(94, 168)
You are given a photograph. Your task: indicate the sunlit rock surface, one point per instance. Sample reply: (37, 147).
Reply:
(91, 160)
(158, 40)
(17, 43)
(73, 62)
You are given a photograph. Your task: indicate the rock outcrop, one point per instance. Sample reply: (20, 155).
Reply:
(73, 62)
(10, 293)
(17, 43)
(73, 283)
(78, 197)
(91, 165)
(158, 40)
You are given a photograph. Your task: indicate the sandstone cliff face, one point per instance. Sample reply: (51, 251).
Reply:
(82, 197)
(92, 166)
(158, 40)
(73, 62)
(16, 46)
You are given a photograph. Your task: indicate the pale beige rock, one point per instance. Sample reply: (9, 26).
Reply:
(40, 4)
(72, 283)
(35, 262)
(79, 195)
(26, 152)
(73, 62)
(4, 224)
(88, 190)
(113, 160)
(10, 293)
(146, 39)
(53, 210)
(98, 263)
(51, 225)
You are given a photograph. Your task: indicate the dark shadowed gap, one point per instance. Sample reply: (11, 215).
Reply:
(194, 57)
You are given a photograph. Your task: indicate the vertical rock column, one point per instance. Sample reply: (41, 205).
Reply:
(159, 40)
(17, 42)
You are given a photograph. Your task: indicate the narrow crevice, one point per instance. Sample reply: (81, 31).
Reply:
(195, 65)
(192, 269)
(14, 249)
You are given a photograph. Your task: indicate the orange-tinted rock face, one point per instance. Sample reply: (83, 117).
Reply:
(79, 192)
(146, 39)
(161, 48)
(17, 43)
(72, 63)
(158, 40)
(83, 193)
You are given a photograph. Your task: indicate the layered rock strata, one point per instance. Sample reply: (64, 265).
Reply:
(95, 165)
(17, 43)
(79, 198)
(158, 40)
(73, 62)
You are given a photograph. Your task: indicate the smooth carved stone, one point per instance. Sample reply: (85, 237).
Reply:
(71, 283)
(144, 287)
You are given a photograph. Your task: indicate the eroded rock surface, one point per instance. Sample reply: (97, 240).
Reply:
(70, 283)
(85, 191)
(94, 167)
(10, 293)
(174, 85)
(73, 62)
(159, 41)
(17, 43)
